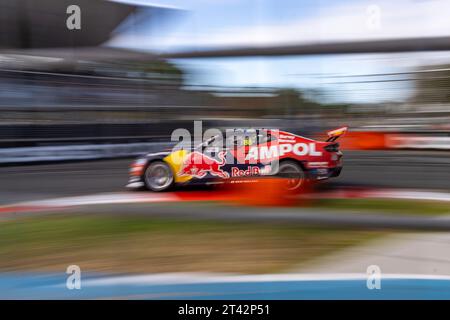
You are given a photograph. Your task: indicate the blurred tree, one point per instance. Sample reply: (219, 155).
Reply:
(158, 70)
(432, 86)
(293, 102)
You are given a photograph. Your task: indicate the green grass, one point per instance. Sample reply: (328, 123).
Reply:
(142, 244)
(139, 244)
(407, 207)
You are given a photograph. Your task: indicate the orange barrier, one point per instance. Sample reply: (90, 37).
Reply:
(364, 140)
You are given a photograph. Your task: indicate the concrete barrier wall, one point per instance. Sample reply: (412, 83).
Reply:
(415, 142)
(78, 152)
(86, 149)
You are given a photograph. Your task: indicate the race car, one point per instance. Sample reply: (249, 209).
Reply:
(240, 157)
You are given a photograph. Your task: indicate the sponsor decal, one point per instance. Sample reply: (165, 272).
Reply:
(198, 165)
(251, 171)
(323, 164)
(286, 138)
(275, 151)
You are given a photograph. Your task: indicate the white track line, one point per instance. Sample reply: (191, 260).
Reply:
(386, 194)
(133, 197)
(193, 278)
(102, 198)
(96, 199)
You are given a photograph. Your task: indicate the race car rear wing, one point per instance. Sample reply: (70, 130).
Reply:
(333, 135)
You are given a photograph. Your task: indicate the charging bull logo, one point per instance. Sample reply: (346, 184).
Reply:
(197, 164)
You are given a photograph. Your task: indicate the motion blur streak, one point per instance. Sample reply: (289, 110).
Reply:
(211, 286)
(78, 106)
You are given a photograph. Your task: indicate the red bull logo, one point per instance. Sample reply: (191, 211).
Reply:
(197, 164)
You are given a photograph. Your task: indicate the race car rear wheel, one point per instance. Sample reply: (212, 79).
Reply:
(158, 176)
(293, 173)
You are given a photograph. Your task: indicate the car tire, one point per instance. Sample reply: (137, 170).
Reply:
(158, 176)
(294, 173)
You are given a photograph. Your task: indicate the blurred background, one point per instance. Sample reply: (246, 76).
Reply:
(136, 70)
(115, 85)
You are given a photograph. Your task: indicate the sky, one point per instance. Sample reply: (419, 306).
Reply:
(198, 24)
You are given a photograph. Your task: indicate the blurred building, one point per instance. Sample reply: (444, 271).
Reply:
(29, 24)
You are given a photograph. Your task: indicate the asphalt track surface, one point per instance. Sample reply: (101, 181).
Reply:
(398, 169)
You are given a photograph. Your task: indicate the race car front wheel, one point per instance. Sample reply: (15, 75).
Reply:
(158, 176)
(293, 173)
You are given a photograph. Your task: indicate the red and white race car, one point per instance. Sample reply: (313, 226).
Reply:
(251, 153)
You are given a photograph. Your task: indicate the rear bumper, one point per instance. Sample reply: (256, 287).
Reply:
(335, 172)
(324, 173)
